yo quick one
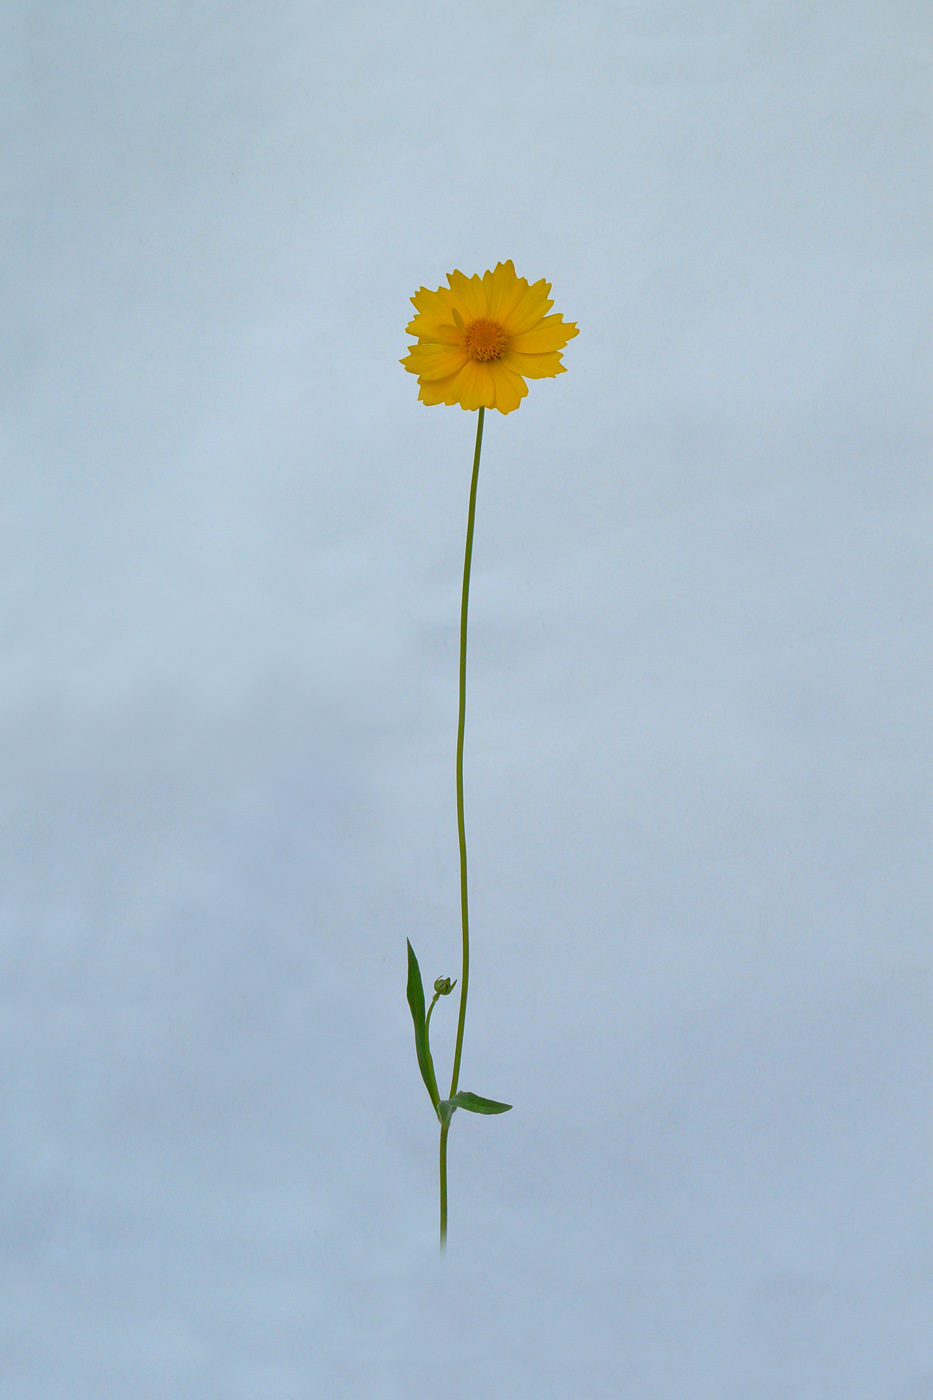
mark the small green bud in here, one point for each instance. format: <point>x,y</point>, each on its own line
<point>443,986</point>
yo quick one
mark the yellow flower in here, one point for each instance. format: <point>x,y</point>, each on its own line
<point>480,340</point>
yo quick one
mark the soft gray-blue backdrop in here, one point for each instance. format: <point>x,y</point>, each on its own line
<point>697,763</point>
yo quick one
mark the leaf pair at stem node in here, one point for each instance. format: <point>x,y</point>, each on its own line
<point>444,1108</point>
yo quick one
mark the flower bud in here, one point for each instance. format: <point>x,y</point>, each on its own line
<point>443,986</point>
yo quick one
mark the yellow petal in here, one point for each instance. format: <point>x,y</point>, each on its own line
<point>469,295</point>
<point>435,311</point>
<point>550,334</point>
<point>534,366</point>
<point>473,387</point>
<point>438,332</point>
<point>504,291</point>
<point>437,391</point>
<point>532,308</point>
<point>510,387</point>
<point>435,361</point>
<point>433,304</point>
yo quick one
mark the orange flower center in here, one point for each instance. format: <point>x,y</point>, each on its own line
<point>484,340</point>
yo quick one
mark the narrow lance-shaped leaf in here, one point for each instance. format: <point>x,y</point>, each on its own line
<point>475,1104</point>
<point>416,1003</point>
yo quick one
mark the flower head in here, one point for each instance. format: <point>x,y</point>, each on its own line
<point>481,338</point>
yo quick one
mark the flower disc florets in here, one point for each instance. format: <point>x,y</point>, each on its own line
<point>484,340</point>
<point>480,338</point>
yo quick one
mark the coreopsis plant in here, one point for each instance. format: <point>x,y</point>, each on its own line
<point>478,340</point>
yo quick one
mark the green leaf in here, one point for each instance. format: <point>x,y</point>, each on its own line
<point>475,1104</point>
<point>416,1003</point>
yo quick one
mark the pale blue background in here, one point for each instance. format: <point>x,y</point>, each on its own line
<point>697,749</point>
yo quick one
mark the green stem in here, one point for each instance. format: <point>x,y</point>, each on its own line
<point>461,726</point>
<point>445,1129</point>
<point>427,1019</point>
<point>461,823</point>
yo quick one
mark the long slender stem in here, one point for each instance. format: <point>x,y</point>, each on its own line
<point>461,726</point>
<point>445,1129</point>
<point>461,823</point>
